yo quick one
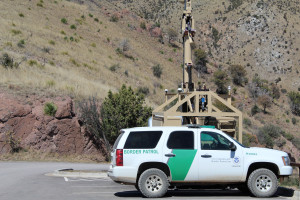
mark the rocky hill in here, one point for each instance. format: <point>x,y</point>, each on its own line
<point>85,48</point>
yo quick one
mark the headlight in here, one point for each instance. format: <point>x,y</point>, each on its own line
<point>286,160</point>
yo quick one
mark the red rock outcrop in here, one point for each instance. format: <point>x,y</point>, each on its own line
<point>24,118</point>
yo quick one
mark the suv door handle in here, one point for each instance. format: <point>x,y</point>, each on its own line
<point>206,156</point>
<point>170,155</point>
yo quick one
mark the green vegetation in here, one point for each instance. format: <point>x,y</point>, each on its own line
<point>7,62</point>
<point>32,62</point>
<point>51,42</point>
<point>124,109</point>
<point>216,36</point>
<point>114,67</point>
<point>16,32</point>
<point>238,73</point>
<point>21,14</point>
<point>249,139</point>
<point>221,79</point>
<point>200,57</point>
<point>143,25</point>
<point>73,26</point>
<point>14,144</point>
<point>294,120</point>
<point>50,109</point>
<point>234,4</point>
<point>157,70</point>
<point>294,102</point>
<point>64,21</point>
<point>114,18</point>
<point>268,133</point>
<point>247,122</point>
<point>21,43</point>
<point>143,90</point>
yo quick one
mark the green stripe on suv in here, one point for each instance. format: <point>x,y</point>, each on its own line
<point>181,163</point>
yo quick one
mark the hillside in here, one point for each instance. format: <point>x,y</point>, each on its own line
<point>71,48</point>
<point>86,48</point>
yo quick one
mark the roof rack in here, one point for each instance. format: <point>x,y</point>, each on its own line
<point>199,126</point>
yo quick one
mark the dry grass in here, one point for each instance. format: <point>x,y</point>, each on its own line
<point>32,155</point>
<point>75,67</point>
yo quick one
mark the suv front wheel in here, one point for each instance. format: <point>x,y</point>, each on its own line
<point>153,183</point>
<point>262,183</point>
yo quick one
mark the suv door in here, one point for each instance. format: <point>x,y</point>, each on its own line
<point>180,151</point>
<point>217,163</point>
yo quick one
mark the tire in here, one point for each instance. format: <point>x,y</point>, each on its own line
<point>262,183</point>
<point>137,187</point>
<point>153,183</point>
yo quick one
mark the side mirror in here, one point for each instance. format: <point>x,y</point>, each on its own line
<point>232,147</point>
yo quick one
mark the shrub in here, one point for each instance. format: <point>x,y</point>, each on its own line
<point>96,19</point>
<point>50,109</point>
<point>265,101</point>
<point>124,45</point>
<point>143,25</point>
<point>32,62</point>
<point>268,133</point>
<point>200,60</point>
<point>294,102</point>
<point>275,92</point>
<point>247,122</point>
<point>51,42</point>
<point>91,15</point>
<point>21,43</point>
<point>280,142</point>
<point>143,90</point>
<point>64,21</point>
<point>16,32</point>
<point>157,70</point>
<point>114,67</point>
<point>73,26</point>
<point>249,139</point>
<point>284,91</point>
<point>221,79</point>
<point>294,120</point>
<point>215,35</point>
<point>254,110</point>
<point>238,73</point>
<point>90,116</point>
<point>7,62</point>
<point>21,14</point>
<point>114,18</point>
<point>14,144</point>
<point>172,34</point>
<point>124,109</point>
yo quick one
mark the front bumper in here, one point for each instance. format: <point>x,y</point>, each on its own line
<point>286,171</point>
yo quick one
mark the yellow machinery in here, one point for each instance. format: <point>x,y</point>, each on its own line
<point>191,106</point>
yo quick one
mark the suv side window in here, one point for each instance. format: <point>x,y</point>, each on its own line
<point>214,141</point>
<point>142,140</point>
<point>181,140</point>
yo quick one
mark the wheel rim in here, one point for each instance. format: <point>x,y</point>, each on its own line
<point>153,183</point>
<point>263,183</point>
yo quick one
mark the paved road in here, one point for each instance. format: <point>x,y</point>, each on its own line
<point>27,181</point>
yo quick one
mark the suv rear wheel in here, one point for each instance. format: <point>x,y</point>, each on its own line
<point>262,183</point>
<point>153,183</point>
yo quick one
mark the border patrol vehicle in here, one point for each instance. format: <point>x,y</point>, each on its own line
<point>156,158</point>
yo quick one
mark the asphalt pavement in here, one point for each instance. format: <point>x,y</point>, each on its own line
<point>28,181</point>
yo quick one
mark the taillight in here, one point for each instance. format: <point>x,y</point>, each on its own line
<point>119,157</point>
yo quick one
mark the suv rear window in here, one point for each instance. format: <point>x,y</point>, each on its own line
<point>118,140</point>
<point>142,140</point>
<point>181,140</point>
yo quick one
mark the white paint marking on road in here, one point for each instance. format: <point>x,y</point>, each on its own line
<point>66,179</point>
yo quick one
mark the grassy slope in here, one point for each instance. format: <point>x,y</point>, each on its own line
<point>81,67</point>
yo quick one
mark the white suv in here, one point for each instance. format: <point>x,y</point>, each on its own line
<point>156,158</point>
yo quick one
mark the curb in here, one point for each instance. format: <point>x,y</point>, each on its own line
<point>78,174</point>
